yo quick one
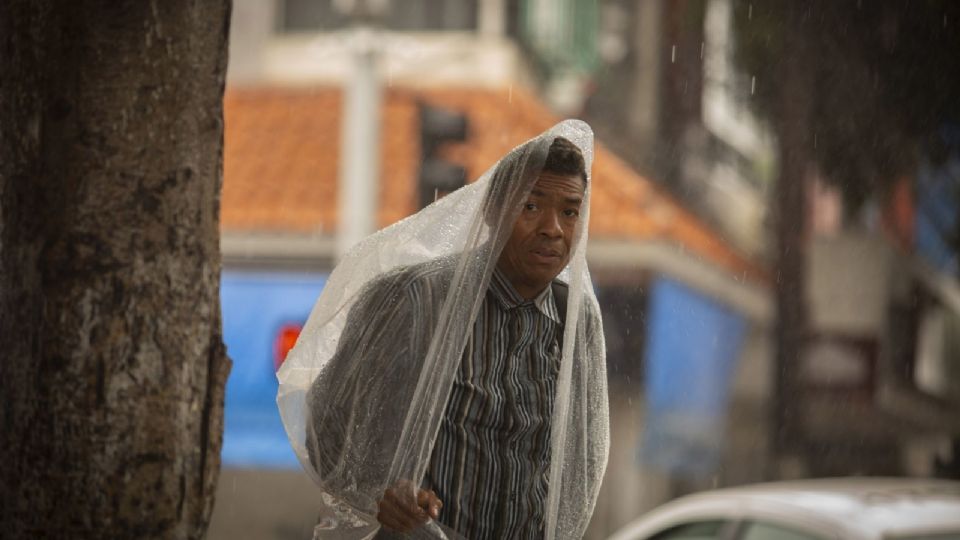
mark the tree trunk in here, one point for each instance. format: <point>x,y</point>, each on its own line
<point>795,109</point>
<point>681,115</point>
<point>111,381</point>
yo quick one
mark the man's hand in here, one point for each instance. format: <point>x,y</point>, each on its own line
<point>403,507</point>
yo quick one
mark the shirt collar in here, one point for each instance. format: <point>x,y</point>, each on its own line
<point>509,298</point>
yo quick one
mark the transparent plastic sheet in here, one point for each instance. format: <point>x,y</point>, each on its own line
<point>362,395</point>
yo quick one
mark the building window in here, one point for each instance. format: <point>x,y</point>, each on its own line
<point>309,16</point>
<point>408,15</point>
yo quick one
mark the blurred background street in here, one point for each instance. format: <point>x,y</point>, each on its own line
<point>774,230</point>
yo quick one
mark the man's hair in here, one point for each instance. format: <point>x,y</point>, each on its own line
<point>564,158</point>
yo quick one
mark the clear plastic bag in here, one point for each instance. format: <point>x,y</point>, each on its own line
<point>364,390</point>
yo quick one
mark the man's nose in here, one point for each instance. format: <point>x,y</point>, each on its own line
<point>550,225</point>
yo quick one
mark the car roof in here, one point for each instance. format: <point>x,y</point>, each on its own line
<point>867,508</point>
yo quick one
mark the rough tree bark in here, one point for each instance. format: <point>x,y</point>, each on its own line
<point>111,381</point>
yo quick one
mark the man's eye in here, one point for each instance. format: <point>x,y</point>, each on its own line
<point>530,206</point>
<point>571,213</point>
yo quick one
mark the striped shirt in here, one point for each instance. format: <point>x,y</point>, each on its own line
<point>491,457</point>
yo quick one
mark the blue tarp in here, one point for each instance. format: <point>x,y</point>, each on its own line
<point>256,306</point>
<point>693,346</point>
<point>938,195</point>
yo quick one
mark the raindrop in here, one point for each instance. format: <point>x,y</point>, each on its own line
<point>701,43</point>
<point>944,20</point>
<point>673,54</point>
<point>753,84</point>
<point>750,13</point>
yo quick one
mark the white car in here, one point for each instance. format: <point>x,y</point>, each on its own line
<point>830,509</point>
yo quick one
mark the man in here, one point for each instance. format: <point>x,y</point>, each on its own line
<point>475,455</point>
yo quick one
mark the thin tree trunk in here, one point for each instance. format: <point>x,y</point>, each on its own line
<point>795,106</point>
<point>680,110</point>
<point>111,381</point>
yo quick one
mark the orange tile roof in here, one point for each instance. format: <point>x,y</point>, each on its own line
<point>281,166</point>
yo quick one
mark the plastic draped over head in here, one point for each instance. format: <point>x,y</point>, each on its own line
<point>364,390</point>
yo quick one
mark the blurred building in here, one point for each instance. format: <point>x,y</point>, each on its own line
<point>678,235</point>
<point>878,375</point>
<point>667,96</point>
<point>686,309</point>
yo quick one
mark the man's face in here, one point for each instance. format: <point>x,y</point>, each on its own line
<point>539,244</point>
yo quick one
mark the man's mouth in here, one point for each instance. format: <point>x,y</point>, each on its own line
<point>546,255</point>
